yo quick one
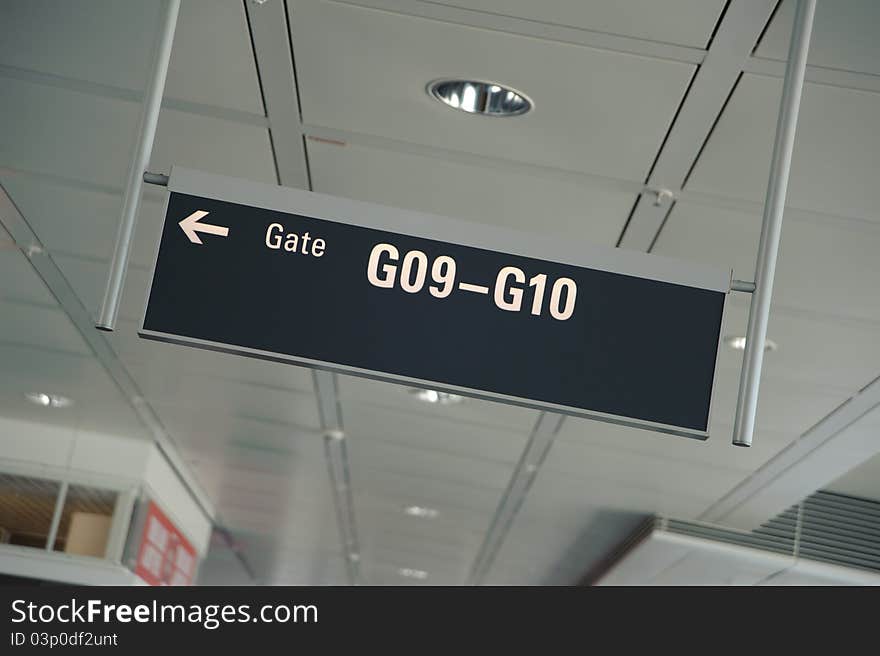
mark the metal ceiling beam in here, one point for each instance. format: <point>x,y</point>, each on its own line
<point>533,455</point>
<point>336,453</point>
<point>273,55</point>
<point>273,52</point>
<point>712,84</point>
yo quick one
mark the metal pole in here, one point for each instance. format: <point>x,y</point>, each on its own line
<point>140,161</point>
<point>56,516</point>
<point>771,229</point>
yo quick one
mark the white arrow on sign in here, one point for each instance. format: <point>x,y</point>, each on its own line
<point>191,227</point>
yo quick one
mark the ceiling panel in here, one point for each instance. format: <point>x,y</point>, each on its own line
<point>717,451</point>
<point>84,137</point>
<point>465,452</point>
<point>215,145</point>
<point>430,464</point>
<point>108,417</point>
<point>83,222</point>
<point>19,281</point>
<point>834,166</point>
<point>384,61</point>
<point>827,266</point>
<point>862,481</point>
<point>484,194</point>
<point>98,405</point>
<point>112,42</point>
<point>643,19</point>
<point>831,351</point>
<point>786,406</point>
<point>37,325</point>
<point>373,397</point>
<point>411,487</point>
<point>844,36</point>
<point>154,361</point>
<point>638,482</point>
<point>539,550</point>
<point>65,133</point>
<point>88,277</point>
<point>568,496</point>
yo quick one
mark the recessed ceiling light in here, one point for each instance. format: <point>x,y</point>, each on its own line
<point>476,97</point>
<point>738,343</point>
<point>48,400</point>
<point>433,396</point>
<point>410,573</point>
<point>421,511</point>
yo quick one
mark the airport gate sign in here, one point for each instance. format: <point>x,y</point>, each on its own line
<point>427,301</point>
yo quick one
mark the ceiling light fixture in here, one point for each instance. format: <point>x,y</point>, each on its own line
<point>410,573</point>
<point>477,97</point>
<point>48,400</point>
<point>433,396</point>
<point>738,343</point>
<point>421,511</point>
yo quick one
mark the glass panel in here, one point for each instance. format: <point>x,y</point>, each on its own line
<point>26,508</point>
<point>86,520</point>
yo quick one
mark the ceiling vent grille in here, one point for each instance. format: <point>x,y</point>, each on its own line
<point>826,527</point>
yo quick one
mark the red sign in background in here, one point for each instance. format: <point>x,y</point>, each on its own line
<point>165,557</point>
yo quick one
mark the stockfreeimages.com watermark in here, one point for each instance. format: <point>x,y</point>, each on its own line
<point>209,616</point>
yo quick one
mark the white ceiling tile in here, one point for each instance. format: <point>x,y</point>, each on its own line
<point>640,482</point>
<point>154,360</point>
<point>19,281</point>
<point>39,326</point>
<point>412,487</point>
<point>421,433</point>
<point>426,463</point>
<point>642,19</point>
<point>862,481</point>
<point>84,222</point>
<point>540,550</point>
<point>366,71</point>
<point>844,36</point>
<point>88,277</point>
<point>213,145</point>
<point>825,350</point>
<point>717,451</point>
<point>65,133</point>
<point>834,166</point>
<point>494,196</point>
<point>69,374</point>
<point>208,398</point>
<point>83,137</point>
<point>469,412</point>
<point>568,496</point>
<point>112,42</point>
<point>99,416</point>
<point>825,265</point>
<point>786,406</point>
<point>98,404</point>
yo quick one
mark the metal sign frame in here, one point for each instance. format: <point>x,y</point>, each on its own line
<point>428,226</point>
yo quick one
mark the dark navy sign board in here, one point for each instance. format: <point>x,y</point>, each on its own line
<point>631,349</point>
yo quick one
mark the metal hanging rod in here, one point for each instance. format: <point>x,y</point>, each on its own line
<point>771,228</point>
<point>139,163</point>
